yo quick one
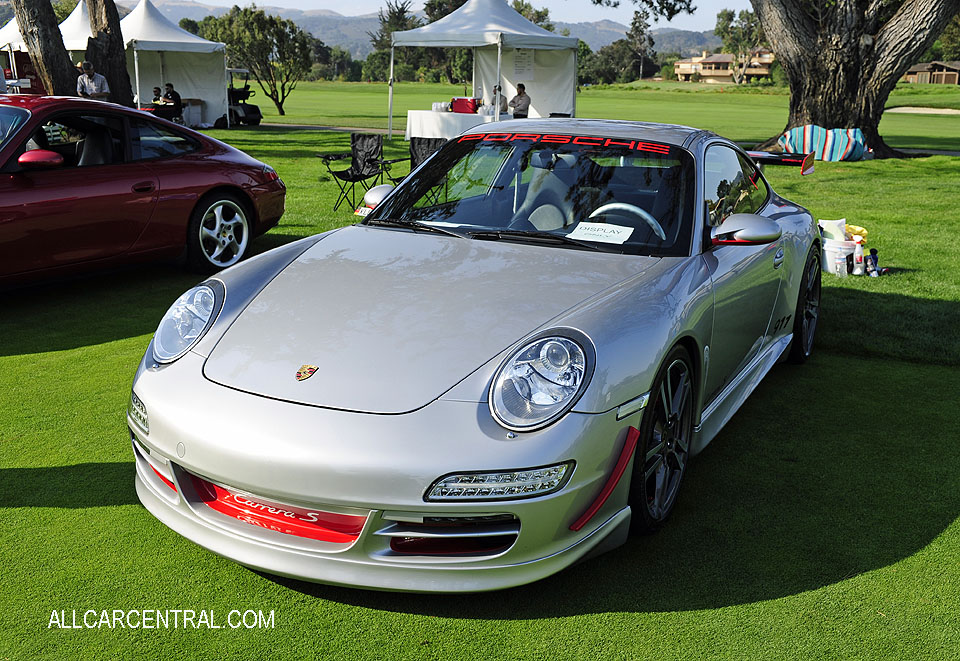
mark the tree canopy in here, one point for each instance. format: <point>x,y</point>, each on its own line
<point>841,58</point>
<point>276,51</point>
<point>740,34</point>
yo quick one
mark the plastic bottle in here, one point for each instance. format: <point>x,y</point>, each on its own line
<point>840,265</point>
<point>858,265</point>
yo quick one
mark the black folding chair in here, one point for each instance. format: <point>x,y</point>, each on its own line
<point>420,150</point>
<point>366,154</point>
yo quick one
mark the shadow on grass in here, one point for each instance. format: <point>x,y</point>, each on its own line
<point>100,307</point>
<point>76,486</point>
<point>832,469</point>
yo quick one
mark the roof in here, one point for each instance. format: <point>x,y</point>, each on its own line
<point>671,134</point>
<point>917,68</point>
<point>483,23</point>
<point>953,64</point>
<point>146,28</point>
<point>719,57</point>
<point>36,102</point>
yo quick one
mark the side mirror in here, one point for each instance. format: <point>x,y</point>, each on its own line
<point>372,198</point>
<point>745,229</point>
<point>36,159</point>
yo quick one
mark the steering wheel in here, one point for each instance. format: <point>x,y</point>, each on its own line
<point>635,210</point>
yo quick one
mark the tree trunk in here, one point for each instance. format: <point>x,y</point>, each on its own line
<point>44,42</point>
<point>106,49</point>
<point>843,63</point>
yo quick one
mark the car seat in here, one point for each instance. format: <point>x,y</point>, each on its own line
<point>97,149</point>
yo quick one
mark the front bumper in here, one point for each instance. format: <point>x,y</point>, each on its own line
<point>377,467</point>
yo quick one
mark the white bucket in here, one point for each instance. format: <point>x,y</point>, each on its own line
<point>833,251</point>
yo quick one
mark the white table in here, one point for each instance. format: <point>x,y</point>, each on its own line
<point>430,124</point>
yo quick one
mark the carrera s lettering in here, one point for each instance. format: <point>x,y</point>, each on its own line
<point>309,517</point>
<point>553,139</point>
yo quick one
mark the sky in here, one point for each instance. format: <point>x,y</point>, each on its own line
<point>566,11</point>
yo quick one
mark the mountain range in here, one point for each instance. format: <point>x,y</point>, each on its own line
<point>350,32</point>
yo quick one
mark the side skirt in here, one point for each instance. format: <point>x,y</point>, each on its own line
<point>720,410</point>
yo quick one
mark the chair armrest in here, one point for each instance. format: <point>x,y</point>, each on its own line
<point>327,158</point>
<point>393,160</point>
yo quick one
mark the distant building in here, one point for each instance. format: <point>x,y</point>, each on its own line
<point>943,73</point>
<point>718,67</point>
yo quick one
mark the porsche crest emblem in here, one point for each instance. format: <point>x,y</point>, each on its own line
<point>305,372</point>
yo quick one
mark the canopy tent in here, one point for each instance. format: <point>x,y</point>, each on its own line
<point>75,29</point>
<point>158,49</point>
<point>10,35</point>
<point>507,50</point>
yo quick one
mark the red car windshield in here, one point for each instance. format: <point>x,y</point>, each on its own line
<point>11,119</point>
<point>611,193</point>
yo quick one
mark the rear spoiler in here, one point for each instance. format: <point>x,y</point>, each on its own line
<point>805,161</point>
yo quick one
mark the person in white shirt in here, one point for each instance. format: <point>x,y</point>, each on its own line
<point>520,103</point>
<point>92,85</point>
<point>503,100</point>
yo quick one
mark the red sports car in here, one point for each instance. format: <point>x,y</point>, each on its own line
<point>86,184</point>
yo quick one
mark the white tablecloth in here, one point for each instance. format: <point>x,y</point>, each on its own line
<point>429,124</point>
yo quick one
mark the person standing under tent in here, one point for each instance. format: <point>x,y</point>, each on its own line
<point>520,103</point>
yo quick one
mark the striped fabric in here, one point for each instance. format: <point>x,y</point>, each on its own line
<point>827,144</point>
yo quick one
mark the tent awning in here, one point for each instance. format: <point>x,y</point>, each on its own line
<point>481,23</point>
<point>146,28</point>
<point>75,28</point>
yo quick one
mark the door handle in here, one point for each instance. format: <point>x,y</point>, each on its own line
<point>143,187</point>
<point>778,259</point>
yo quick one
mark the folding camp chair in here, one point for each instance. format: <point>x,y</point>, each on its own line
<point>420,150</point>
<point>366,154</point>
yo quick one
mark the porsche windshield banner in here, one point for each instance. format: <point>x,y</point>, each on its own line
<point>556,139</point>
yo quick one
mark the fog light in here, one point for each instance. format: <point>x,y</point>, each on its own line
<point>507,485</point>
<point>138,412</point>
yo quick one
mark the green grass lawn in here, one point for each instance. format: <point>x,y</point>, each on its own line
<point>822,523</point>
<point>748,115</point>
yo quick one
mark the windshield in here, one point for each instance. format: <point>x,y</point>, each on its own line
<point>609,193</point>
<point>11,119</point>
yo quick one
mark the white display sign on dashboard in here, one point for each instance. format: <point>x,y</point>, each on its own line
<point>602,232</point>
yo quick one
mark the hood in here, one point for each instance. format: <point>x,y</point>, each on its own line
<point>393,319</point>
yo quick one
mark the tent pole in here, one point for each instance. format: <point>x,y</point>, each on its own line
<point>576,82</point>
<point>390,102</point>
<point>13,61</point>
<point>226,85</point>
<point>496,110</point>
<point>136,73</point>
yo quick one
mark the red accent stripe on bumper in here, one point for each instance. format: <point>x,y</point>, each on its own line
<point>629,445</point>
<point>310,524</point>
<point>165,480</point>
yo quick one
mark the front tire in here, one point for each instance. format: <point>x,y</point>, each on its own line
<point>663,450</point>
<point>219,232</point>
<point>807,314</point>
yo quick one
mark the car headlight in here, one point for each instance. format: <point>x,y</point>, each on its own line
<point>186,321</point>
<point>540,382</point>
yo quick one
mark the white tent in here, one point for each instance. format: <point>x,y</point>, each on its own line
<point>10,35</point>
<point>75,29</point>
<point>507,48</point>
<point>160,52</point>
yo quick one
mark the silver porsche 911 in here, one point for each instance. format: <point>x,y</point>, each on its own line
<point>501,370</point>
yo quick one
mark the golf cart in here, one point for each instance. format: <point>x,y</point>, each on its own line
<point>242,112</point>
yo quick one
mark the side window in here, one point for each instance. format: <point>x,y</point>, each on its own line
<point>723,183</point>
<point>149,140</point>
<point>757,191</point>
<point>82,140</point>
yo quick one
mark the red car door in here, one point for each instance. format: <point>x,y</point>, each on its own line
<point>93,207</point>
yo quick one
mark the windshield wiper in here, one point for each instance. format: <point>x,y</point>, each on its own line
<point>415,225</point>
<point>537,237</point>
